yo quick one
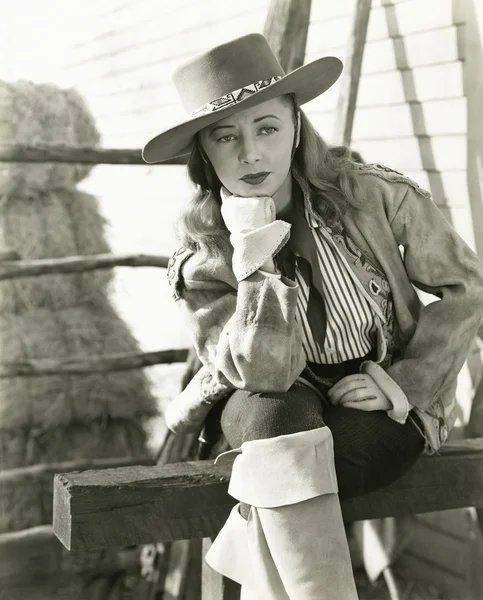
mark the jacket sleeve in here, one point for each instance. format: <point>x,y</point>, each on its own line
<point>438,262</point>
<point>247,337</point>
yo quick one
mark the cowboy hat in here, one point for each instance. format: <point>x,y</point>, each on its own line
<point>229,78</point>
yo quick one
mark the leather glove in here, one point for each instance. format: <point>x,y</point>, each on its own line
<point>255,233</point>
<point>188,411</point>
<point>371,389</point>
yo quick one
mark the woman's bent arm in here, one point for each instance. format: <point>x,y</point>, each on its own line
<point>439,262</point>
<point>247,337</point>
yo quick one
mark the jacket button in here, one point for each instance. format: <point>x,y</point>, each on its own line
<point>374,288</point>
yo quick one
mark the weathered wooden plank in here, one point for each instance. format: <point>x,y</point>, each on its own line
<point>175,501</point>
<point>193,575</point>
<point>11,268</point>
<point>286,29</point>
<point>136,505</point>
<point>475,427</point>
<point>90,364</point>
<point>349,85</point>
<point>470,37</point>
<point>60,153</point>
<point>178,564</point>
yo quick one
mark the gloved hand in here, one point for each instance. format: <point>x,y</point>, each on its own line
<point>256,234</point>
<point>371,389</point>
<point>188,411</point>
<point>359,391</point>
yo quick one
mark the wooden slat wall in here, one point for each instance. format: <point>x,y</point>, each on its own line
<point>444,549</point>
<point>422,65</point>
<point>124,59</point>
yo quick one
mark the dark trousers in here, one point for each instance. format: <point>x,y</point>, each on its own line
<point>371,450</point>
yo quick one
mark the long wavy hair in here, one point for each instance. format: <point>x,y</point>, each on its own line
<point>327,174</point>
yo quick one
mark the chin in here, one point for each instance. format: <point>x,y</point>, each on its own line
<point>265,189</point>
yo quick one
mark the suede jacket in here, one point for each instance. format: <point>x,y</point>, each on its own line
<point>246,334</point>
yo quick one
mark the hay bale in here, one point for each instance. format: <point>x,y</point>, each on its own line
<point>53,224</point>
<point>57,400</point>
<point>32,113</point>
<point>43,215</point>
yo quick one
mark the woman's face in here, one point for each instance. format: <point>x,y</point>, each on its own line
<point>253,141</point>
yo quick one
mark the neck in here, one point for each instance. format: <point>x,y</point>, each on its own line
<point>283,197</point>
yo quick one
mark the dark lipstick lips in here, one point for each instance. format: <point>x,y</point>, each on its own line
<point>256,178</point>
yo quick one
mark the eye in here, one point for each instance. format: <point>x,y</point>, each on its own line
<point>269,130</point>
<point>225,138</point>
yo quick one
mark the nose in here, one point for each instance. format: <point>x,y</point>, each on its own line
<point>249,151</point>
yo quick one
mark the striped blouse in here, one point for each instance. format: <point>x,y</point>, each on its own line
<point>350,321</point>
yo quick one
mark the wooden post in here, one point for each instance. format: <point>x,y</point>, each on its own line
<point>286,30</point>
<point>473,88</point>
<point>346,105</point>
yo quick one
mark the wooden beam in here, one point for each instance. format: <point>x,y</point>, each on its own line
<point>349,82</point>
<point>470,37</point>
<point>60,153</point>
<point>286,29</point>
<point>10,269</point>
<point>139,505</point>
<point>90,364</point>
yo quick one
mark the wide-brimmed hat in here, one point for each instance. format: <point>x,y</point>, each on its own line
<point>229,78</point>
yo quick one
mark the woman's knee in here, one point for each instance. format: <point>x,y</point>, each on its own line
<point>371,450</point>
<point>251,416</point>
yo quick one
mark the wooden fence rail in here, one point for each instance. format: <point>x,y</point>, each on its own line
<point>139,505</point>
<point>76,365</point>
<point>10,269</point>
<point>60,153</point>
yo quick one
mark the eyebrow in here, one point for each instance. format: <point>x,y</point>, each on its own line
<point>254,120</point>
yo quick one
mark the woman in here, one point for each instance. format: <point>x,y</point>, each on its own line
<point>329,376</point>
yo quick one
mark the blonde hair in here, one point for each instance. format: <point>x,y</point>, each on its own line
<point>329,176</point>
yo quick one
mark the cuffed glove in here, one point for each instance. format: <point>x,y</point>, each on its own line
<point>255,233</point>
<point>187,412</point>
<point>400,404</point>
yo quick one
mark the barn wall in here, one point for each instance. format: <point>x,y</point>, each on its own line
<point>444,549</point>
